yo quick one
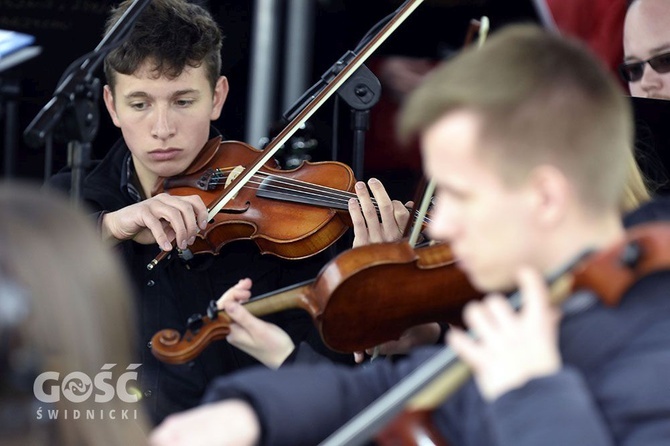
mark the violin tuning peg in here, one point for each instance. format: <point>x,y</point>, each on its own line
<point>212,310</point>
<point>194,323</point>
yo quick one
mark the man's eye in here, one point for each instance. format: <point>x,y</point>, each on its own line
<point>184,102</point>
<point>138,105</point>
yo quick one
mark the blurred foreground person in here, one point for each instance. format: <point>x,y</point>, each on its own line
<point>67,325</point>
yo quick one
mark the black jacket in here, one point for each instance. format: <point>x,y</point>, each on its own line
<point>175,290</point>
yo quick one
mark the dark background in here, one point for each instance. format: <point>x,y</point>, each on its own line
<point>68,29</point>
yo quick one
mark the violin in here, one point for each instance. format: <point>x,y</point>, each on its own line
<point>292,214</point>
<point>609,273</point>
<point>362,298</point>
<point>289,213</point>
<point>249,173</point>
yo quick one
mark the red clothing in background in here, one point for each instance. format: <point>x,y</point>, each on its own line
<point>597,22</point>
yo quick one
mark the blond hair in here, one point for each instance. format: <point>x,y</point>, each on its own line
<point>636,191</point>
<point>542,99</point>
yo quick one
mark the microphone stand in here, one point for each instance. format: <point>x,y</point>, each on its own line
<point>361,92</point>
<point>72,114</point>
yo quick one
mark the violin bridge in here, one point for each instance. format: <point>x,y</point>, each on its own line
<point>234,174</point>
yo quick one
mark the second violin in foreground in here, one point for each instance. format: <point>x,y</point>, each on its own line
<point>403,414</point>
<point>362,298</point>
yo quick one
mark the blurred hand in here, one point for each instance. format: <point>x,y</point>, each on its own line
<point>511,347</point>
<point>425,334</point>
<point>228,423</point>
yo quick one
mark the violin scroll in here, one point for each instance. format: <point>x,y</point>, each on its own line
<point>171,347</point>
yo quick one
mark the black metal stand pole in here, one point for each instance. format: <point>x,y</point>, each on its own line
<point>361,92</point>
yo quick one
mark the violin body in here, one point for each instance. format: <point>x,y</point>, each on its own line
<point>362,298</point>
<point>285,212</point>
<point>372,294</point>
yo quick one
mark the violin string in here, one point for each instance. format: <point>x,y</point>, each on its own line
<point>310,197</point>
<point>338,198</point>
<point>307,187</point>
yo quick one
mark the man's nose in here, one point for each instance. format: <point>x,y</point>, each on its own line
<point>163,127</point>
<point>443,223</point>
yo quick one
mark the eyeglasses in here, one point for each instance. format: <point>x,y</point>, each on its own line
<point>632,72</point>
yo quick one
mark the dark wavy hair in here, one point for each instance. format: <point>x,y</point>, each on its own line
<point>172,34</point>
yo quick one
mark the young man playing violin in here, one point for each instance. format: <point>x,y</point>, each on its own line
<point>528,139</point>
<point>164,89</point>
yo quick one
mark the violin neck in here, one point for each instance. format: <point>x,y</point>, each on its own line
<point>289,298</point>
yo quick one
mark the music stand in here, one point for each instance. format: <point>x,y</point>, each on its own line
<point>14,50</point>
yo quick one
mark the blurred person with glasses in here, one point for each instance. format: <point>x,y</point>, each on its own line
<point>646,42</point>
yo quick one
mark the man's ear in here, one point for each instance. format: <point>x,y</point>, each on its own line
<point>551,192</point>
<point>109,103</point>
<point>220,95</point>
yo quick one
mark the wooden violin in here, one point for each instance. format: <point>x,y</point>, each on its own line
<point>289,213</point>
<point>362,298</point>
